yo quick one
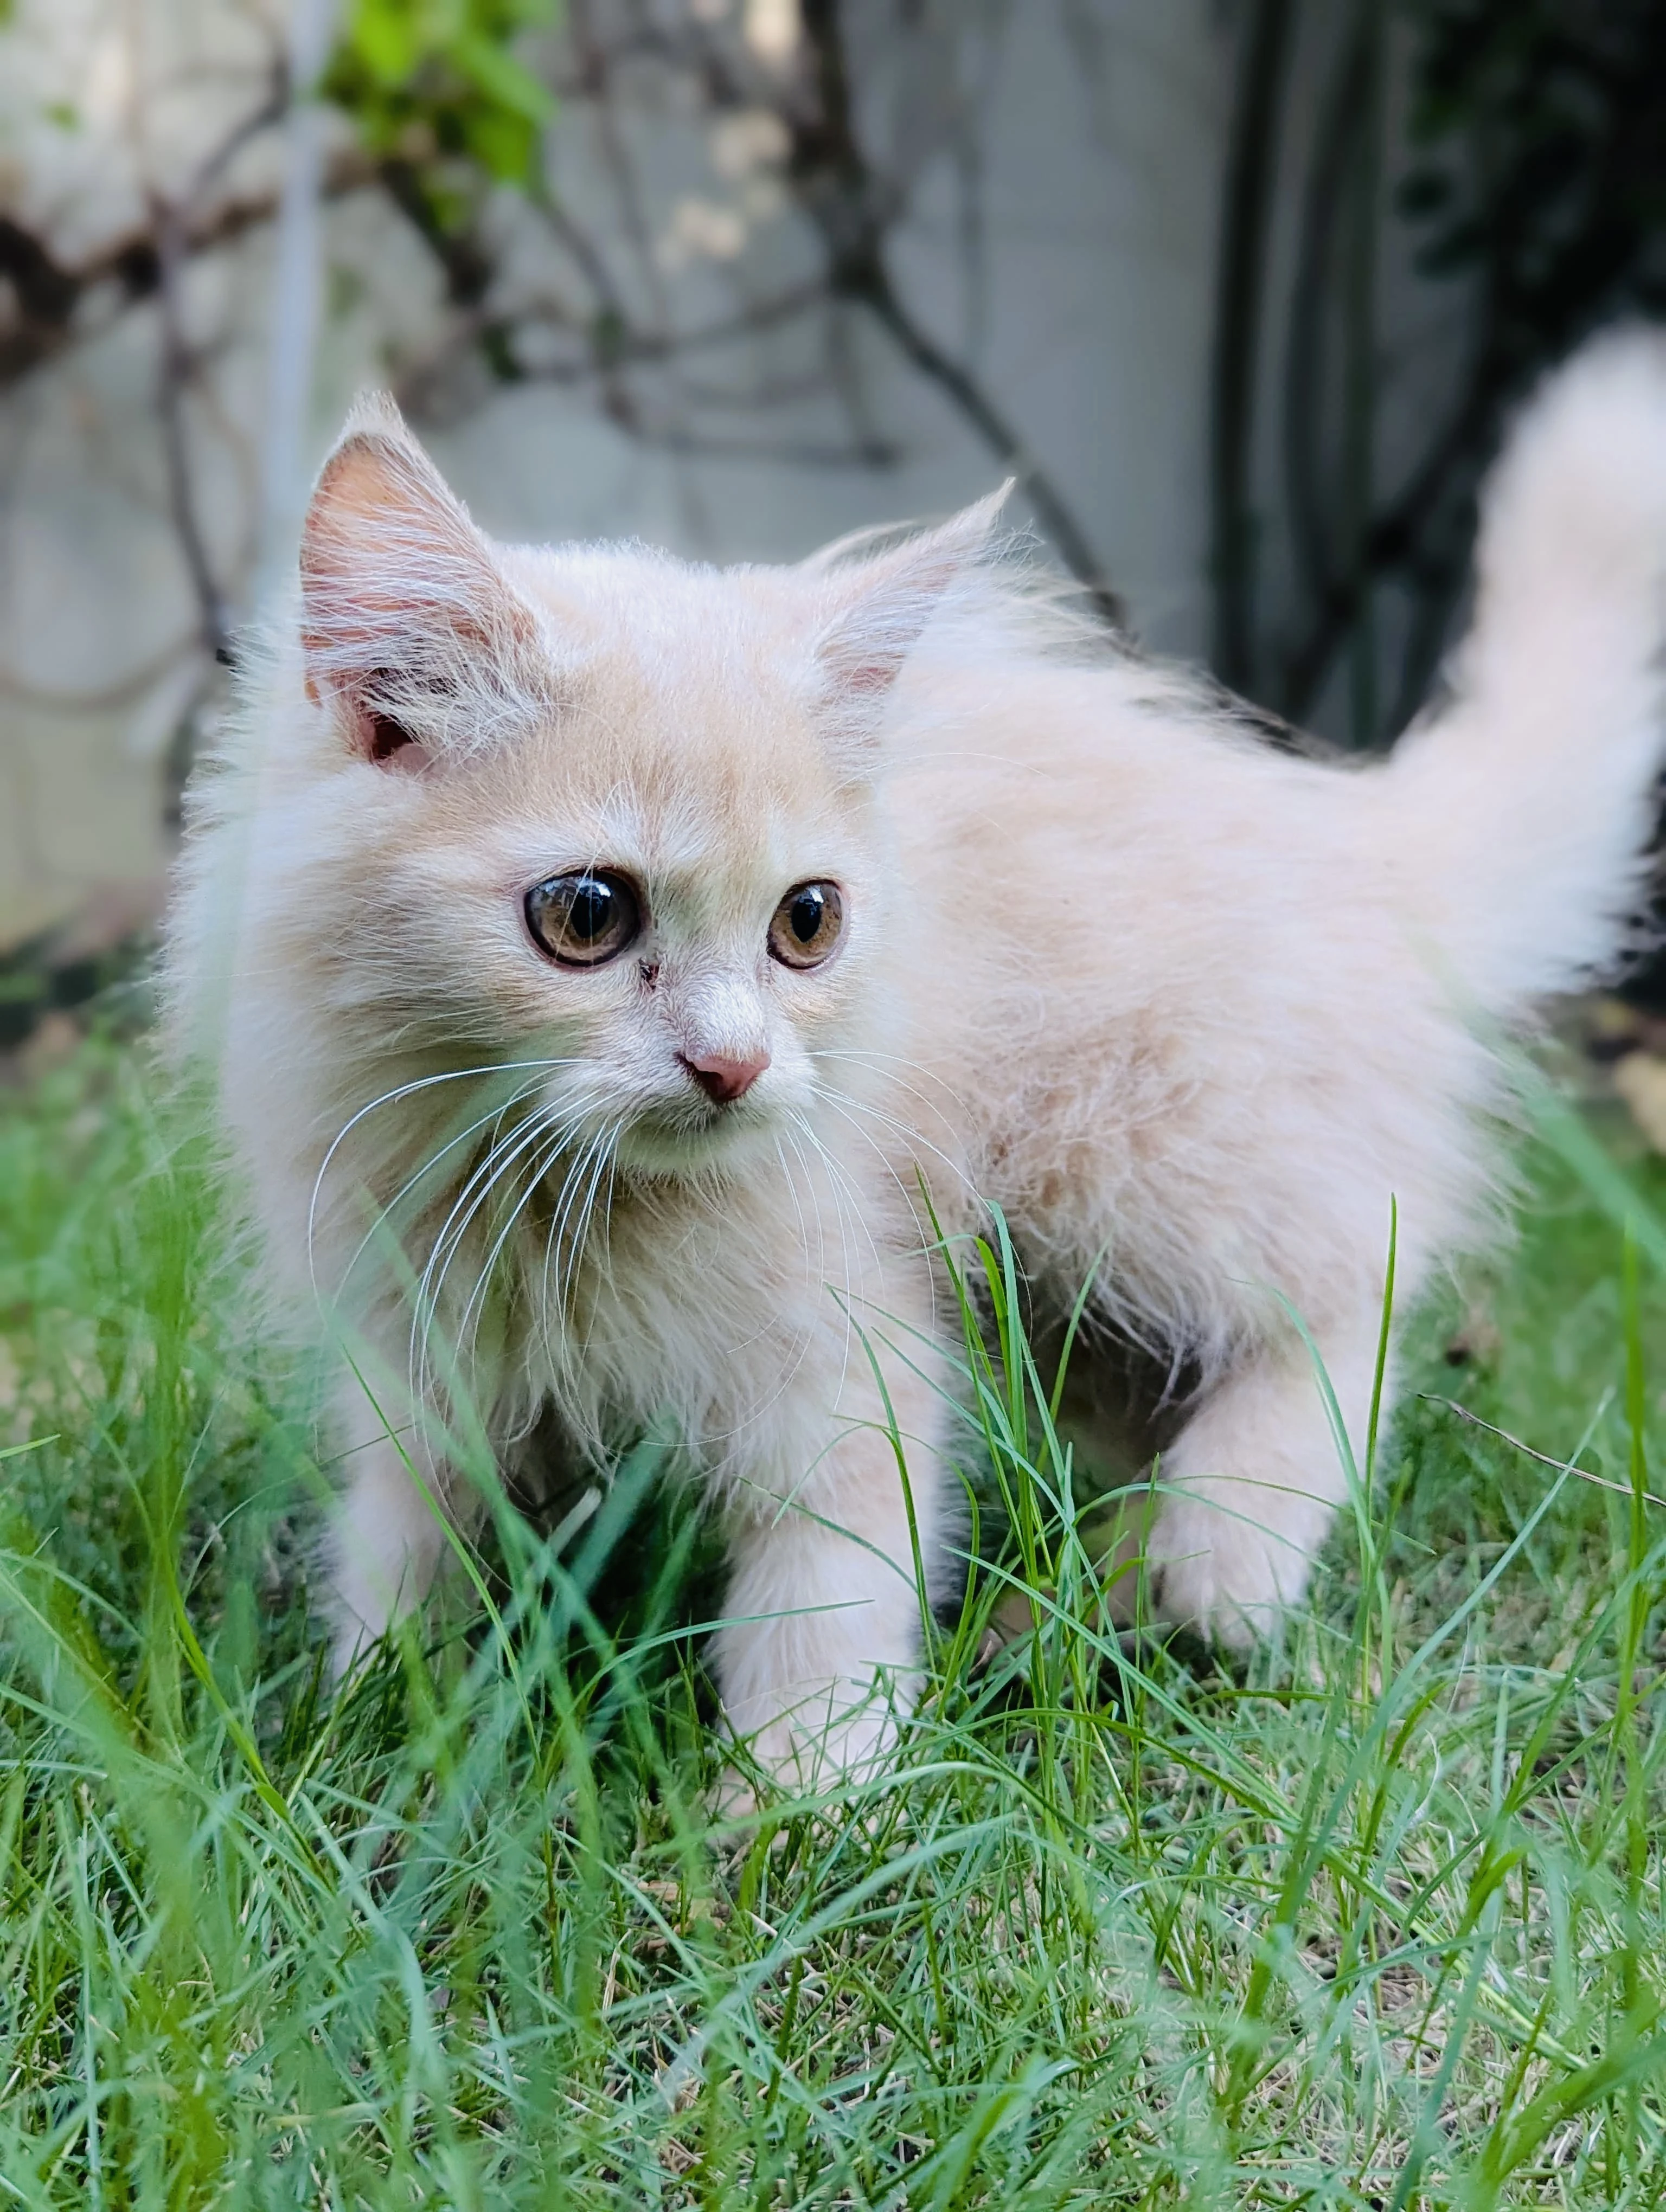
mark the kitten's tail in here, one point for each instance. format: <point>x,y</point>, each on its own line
<point>1523,809</point>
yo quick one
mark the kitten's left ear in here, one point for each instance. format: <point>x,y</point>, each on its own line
<point>879,606</point>
<point>412,634</point>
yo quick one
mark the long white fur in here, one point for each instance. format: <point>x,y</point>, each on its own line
<point>1193,1012</point>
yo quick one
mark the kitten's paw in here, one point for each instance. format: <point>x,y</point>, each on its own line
<point>802,1760</point>
<point>1217,1569</point>
<point>735,1797</point>
<point>351,1645</point>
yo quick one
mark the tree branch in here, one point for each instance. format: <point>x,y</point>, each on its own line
<point>837,187</point>
<point>48,292</point>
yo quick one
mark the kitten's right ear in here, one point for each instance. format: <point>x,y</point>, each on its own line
<point>410,632</point>
<point>875,610</point>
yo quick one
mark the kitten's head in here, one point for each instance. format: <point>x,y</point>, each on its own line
<point>602,809</point>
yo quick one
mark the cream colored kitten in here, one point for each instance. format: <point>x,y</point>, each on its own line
<point>597,952</point>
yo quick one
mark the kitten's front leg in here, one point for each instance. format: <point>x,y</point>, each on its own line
<point>1251,1485</point>
<point>388,1530</point>
<point>822,1646</point>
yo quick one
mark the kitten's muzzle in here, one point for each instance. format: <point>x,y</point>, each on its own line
<point>724,1077</point>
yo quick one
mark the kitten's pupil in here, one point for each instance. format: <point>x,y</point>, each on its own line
<point>806,916</point>
<point>592,910</point>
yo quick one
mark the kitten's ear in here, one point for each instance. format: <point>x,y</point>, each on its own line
<point>410,632</point>
<point>881,605</point>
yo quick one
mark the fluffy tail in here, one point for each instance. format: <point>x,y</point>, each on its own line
<point>1525,805</point>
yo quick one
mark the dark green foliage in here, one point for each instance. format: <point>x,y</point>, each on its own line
<point>427,80</point>
<point>1517,148</point>
<point>437,93</point>
<point>1541,130</point>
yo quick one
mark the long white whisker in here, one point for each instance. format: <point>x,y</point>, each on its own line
<point>907,1196</point>
<point>589,1161</point>
<point>542,1161</point>
<point>386,1214</point>
<point>607,1206</point>
<point>558,1215</point>
<point>463,1207</point>
<point>604,1163</point>
<point>910,1135</point>
<point>845,1182</point>
<point>496,1164</point>
<point>894,1059</point>
<point>391,1098</point>
<point>847,1301</point>
<point>835,1100</point>
<point>793,1193</point>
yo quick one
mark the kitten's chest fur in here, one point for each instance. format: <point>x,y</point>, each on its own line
<point>730,1312</point>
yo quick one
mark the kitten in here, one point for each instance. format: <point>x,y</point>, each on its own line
<point>600,954</point>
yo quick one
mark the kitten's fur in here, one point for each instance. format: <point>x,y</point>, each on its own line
<point>1190,1011</point>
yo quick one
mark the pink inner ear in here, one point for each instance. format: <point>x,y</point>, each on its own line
<point>890,603</point>
<point>378,737</point>
<point>863,655</point>
<point>867,678</point>
<point>388,739</point>
<point>375,736</point>
<point>397,587</point>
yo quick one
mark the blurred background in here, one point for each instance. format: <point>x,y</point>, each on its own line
<point>1241,291</point>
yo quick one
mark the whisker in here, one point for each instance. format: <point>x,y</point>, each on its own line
<point>927,1240</point>
<point>836,1101</point>
<point>606,1161</point>
<point>468,1198</point>
<point>392,1098</point>
<point>558,1215</point>
<point>793,1193</point>
<point>542,1161</point>
<point>566,1254</point>
<point>385,1214</point>
<point>892,1060</point>
<point>845,1303</point>
<point>910,1135</point>
<point>496,1164</point>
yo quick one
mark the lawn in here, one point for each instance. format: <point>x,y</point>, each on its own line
<point>1374,1921</point>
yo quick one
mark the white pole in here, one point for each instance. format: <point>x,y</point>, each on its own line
<point>293,340</point>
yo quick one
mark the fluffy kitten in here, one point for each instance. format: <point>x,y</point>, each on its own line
<point>597,952</point>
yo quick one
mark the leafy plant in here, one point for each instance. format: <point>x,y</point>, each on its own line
<point>438,94</point>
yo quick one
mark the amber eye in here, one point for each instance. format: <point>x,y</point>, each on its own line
<point>806,924</point>
<point>582,920</point>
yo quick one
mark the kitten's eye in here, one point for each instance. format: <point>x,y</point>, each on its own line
<point>806,924</point>
<point>582,920</point>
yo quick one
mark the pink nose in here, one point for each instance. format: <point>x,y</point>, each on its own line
<point>723,1078</point>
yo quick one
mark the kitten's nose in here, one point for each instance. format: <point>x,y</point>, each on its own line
<point>723,1077</point>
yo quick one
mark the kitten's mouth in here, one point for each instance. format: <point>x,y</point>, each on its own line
<point>692,1136</point>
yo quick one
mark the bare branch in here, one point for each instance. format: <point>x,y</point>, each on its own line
<point>47,293</point>
<point>853,208</point>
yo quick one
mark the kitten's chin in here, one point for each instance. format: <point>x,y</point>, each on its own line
<point>728,1142</point>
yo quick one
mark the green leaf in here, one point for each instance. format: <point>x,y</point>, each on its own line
<point>387,38</point>
<point>501,77</point>
<point>504,145</point>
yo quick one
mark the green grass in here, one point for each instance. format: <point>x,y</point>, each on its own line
<point>1377,1922</point>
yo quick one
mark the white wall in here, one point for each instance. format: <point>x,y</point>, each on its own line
<point>1105,121</point>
